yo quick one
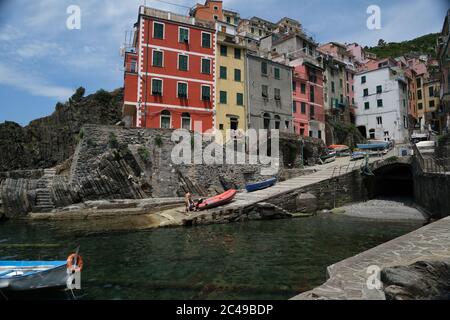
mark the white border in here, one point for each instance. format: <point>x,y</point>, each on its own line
<point>201,65</point>
<point>151,86</point>
<point>158,50</point>
<point>189,34</point>
<point>164,30</point>
<point>178,61</point>
<point>160,118</point>
<point>210,40</point>
<point>187,89</point>
<point>201,92</point>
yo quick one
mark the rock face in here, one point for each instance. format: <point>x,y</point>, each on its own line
<point>306,203</point>
<point>423,280</point>
<point>48,141</point>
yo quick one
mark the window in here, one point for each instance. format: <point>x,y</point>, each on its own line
<point>223,50</point>
<point>206,66</point>
<point>353,88</point>
<point>265,91</point>
<point>363,79</point>
<point>431,92</point>
<point>216,8</point>
<point>158,58</point>
<point>405,122</point>
<point>366,92</point>
<point>182,90</point>
<point>157,87</point>
<point>252,30</point>
<point>340,83</point>
<point>379,103</point>
<point>266,118</point>
<point>206,40</point>
<point>419,94</point>
<point>311,94</point>
<point>277,122</point>
<point>294,86</point>
<point>223,29</point>
<point>310,133</point>
<point>286,123</point>
<point>303,88</point>
<point>223,97</point>
<point>206,93</point>
<point>237,75</point>
<point>260,32</point>
<point>419,82</point>
<point>294,107</point>
<point>379,89</point>
<point>239,99</point>
<point>228,19</point>
<point>276,73</point>
<point>165,119</point>
<point>237,53</point>
<point>302,131</point>
<point>234,123</point>
<point>277,94</point>
<point>303,108</point>
<point>264,68</point>
<point>380,120</point>
<point>158,30</point>
<point>223,72</point>
<point>183,62</point>
<point>221,126</point>
<point>431,103</point>
<point>348,87</point>
<point>319,134</point>
<point>366,105</point>
<point>133,66</point>
<point>186,121</point>
<point>183,35</point>
<point>420,106</point>
<point>311,110</point>
<point>332,87</point>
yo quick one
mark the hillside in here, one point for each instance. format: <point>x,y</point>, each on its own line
<point>422,45</point>
<point>48,141</point>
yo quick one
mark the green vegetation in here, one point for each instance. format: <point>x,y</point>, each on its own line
<point>103,96</point>
<point>77,96</point>
<point>158,141</point>
<point>392,159</point>
<point>346,134</point>
<point>144,154</point>
<point>113,143</point>
<point>422,45</point>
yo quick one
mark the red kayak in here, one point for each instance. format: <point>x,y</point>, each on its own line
<point>218,200</point>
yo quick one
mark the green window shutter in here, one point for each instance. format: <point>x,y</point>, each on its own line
<point>223,72</point>
<point>264,68</point>
<point>206,93</point>
<point>206,40</point>
<point>237,53</point>
<point>239,99</point>
<point>380,102</point>
<point>237,75</point>
<point>366,105</point>
<point>184,35</point>
<point>157,58</point>
<point>182,90</point>
<point>206,66</point>
<point>277,73</point>
<point>183,62</point>
<point>156,87</point>
<point>223,50</point>
<point>223,97</point>
<point>158,32</point>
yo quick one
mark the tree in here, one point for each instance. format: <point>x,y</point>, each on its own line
<point>381,43</point>
<point>77,96</point>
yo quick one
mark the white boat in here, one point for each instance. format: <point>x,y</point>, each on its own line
<point>426,147</point>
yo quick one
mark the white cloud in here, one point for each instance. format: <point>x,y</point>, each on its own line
<point>32,84</point>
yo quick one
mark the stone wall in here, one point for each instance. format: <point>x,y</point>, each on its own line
<point>432,192</point>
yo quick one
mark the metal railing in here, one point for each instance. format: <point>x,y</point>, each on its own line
<point>431,164</point>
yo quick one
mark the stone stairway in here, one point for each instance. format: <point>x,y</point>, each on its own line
<point>44,202</point>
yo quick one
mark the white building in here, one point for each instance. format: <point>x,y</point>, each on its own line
<point>382,99</point>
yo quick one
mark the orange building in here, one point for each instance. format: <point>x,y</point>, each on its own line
<point>210,11</point>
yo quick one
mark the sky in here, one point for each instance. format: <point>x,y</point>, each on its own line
<point>43,62</point>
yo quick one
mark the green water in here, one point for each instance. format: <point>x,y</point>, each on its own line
<point>253,260</point>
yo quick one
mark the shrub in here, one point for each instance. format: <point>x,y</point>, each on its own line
<point>113,143</point>
<point>158,140</point>
<point>144,154</point>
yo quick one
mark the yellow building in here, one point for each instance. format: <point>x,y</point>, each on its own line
<point>231,113</point>
<point>431,89</point>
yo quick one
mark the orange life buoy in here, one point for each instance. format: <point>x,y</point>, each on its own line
<point>78,266</point>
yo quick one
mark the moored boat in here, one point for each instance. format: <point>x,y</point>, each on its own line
<point>260,185</point>
<point>33,275</point>
<point>218,200</point>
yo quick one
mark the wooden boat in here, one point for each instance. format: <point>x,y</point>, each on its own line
<point>357,155</point>
<point>31,275</point>
<point>328,158</point>
<point>340,150</point>
<point>260,185</point>
<point>218,200</point>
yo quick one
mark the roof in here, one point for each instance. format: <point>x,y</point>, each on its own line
<point>268,60</point>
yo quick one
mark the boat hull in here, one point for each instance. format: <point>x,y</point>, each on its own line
<point>218,200</point>
<point>260,185</point>
<point>53,277</point>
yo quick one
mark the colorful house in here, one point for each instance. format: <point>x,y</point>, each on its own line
<point>169,72</point>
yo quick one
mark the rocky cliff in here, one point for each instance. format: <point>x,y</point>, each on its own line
<point>51,140</point>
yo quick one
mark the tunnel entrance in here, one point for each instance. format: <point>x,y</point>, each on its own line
<point>392,181</point>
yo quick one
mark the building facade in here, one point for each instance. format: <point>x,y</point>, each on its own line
<point>381,95</point>
<point>269,86</point>
<point>170,82</point>
<point>443,54</point>
<point>231,104</point>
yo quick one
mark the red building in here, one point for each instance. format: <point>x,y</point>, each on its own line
<point>308,113</point>
<point>169,72</point>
